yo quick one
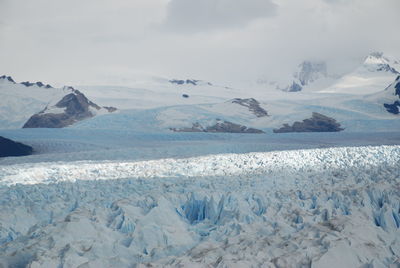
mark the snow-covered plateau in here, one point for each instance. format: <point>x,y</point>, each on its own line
<point>329,207</point>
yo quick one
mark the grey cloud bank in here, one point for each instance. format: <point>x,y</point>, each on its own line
<point>72,42</point>
<point>191,16</point>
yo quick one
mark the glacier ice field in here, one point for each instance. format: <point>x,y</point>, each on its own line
<point>195,200</point>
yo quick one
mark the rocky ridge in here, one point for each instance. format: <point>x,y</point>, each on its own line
<point>317,123</point>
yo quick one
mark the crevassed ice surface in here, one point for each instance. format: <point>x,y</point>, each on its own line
<point>332,207</point>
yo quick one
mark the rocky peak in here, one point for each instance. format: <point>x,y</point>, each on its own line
<point>77,104</point>
<point>7,78</point>
<point>39,84</point>
<point>295,87</point>
<point>310,71</point>
<point>377,62</point>
<point>75,107</point>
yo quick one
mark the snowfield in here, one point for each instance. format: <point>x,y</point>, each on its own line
<point>331,207</point>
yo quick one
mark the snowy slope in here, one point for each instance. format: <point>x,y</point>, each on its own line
<point>354,100</point>
<point>376,70</point>
<point>318,208</point>
<point>19,102</point>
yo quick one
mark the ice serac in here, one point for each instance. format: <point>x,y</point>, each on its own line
<point>296,208</point>
<point>72,108</point>
<point>220,126</point>
<point>317,123</point>
<point>11,148</point>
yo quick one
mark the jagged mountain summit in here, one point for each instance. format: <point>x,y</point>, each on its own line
<point>72,108</point>
<point>7,78</point>
<point>373,71</point>
<point>378,62</point>
<point>310,71</point>
<point>39,105</point>
<point>307,73</point>
<point>376,71</point>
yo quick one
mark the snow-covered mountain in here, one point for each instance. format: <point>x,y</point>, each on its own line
<point>371,76</point>
<point>308,72</point>
<point>38,105</point>
<point>355,100</point>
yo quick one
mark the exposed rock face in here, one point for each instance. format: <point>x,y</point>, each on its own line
<point>182,82</point>
<point>193,82</point>
<point>110,109</point>
<point>317,123</point>
<point>12,148</point>
<point>39,84</point>
<point>221,127</point>
<point>310,71</point>
<point>394,108</point>
<point>253,106</point>
<point>8,78</point>
<point>76,107</point>
<point>295,87</point>
<point>376,61</point>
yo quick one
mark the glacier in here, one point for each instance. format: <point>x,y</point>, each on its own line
<point>320,207</point>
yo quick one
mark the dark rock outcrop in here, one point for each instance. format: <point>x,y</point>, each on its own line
<point>110,109</point>
<point>384,66</point>
<point>27,84</point>
<point>182,82</point>
<point>12,148</point>
<point>185,96</point>
<point>317,123</point>
<point>39,84</point>
<point>219,127</point>
<point>253,106</point>
<point>8,78</point>
<point>310,71</point>
<point>387,68</point>
<point>187,82</point>
<point>295,87</point>
<point>394,107</point>
<point>76,107</point>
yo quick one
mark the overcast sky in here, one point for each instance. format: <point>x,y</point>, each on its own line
<point>93,41</point>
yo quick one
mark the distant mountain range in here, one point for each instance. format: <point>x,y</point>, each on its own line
<point>365,99</point>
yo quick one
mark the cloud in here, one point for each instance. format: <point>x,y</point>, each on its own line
<point>66,42</point>
<point>198,16</point>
